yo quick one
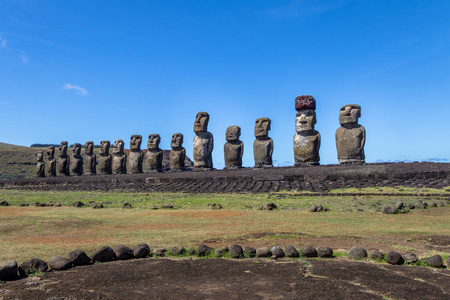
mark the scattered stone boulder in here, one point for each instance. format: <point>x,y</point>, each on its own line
<point>440,203</point>
<point>399,205</point>
<point>177,250</point>
<point>411,206</point>
<point>432,204</point>
<point>357,253</point>
<point>75,204</point>
<point>236,251</point>
<point>271,206</point>
<point>126,205</point>
<point>161,252</point>
<point>221,251</point>
<point>261,207</point>
<point>410,258</point>
<point>325,252</point>
<point>376,255</point>
<point>277,251</point>
<point>215,206</point>
<point>203,250</point>
<point>251,252</point>
<point>313,208</point>
<point>422,204</point>
<point>390,210</point>
<point>167,206</point>
<point>96,206</point>
<point>394,258</point>
<point>9,270</point>
<point>33,265</point>
<point>263,252</point>
<point>141,250</point>
<point>308,251</point>
<point>4,203</point>
<point>79,258</point>
<point>191,251</point>
<point>291,251</point>
<point>59,263</point>
<point>434,261</point>
<point>103,254</point>
<point>123,252</point>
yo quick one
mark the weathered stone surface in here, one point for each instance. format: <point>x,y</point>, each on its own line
<point>123,252</point>
<point>203,142</point>
<point>305,102</point>
<point>76,165</point>
<point>277,251</point>
<point>291,251</point>
<point>236,251</point>
<point>89,159</point>
<point>313,208</point>
<point>105,159</point>
<point>399,205</point>
<point>178,153</point>
<point>126,205</point>
<point>63,161</point>
<point>79,258</point>
<point>154,155</point>
<point>40,165</point>
<point>51,163</point>
<point>103,254</point>
<point>251,252</point>
<point>325,252</point>
<point>394,258</point>
<point>307,139</point>
<point>141,250</point>
<point>411,206</point>
<point>263,144</point>
<point>233,148</point>
<point>159,252</point>
<point>9,270</point>
<point>410,258</point>
<point>440,204</point>
<point>308,251</point>
<point>136,156</point>
<point>59,263</point>
<point>119,160</point>
<point>221,251</point>
<point>376,255</point>
<point>97,206</point>
<point>434,261</point>
<point>422,204</point>
<point>350,137</point>
<point>263,252</point>
<point>271,206</point>
<point>203,250</point>
<point>357,253</point>
<point>177,250</point>
<point>33,265</point>
<point>77,204</point>
<point>191,251</point>
<point>388,209</point>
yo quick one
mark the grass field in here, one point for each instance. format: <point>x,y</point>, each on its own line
<point>47,231</point>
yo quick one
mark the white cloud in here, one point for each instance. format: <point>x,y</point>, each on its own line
<point>23,57</point>
<point>80,91</point>
<point>3,41</point>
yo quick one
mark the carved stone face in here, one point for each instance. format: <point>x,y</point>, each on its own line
<point>63,149</point>
<point>262,127</point>
<point>349,114</point>
<point>233,133</point>
<point>305,120</point>
<point>177,140</point>
<point>135,143</point>
<point>76,149</point>
<point>118,147</point>
<point>153,141</point>
<point>104,147</point>
<point>50,151</point>
<point>201,122</point>
<point>89,148</point>
<point>40,156</point>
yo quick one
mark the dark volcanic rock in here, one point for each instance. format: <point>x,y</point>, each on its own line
<point>177,250</point>
<point>103,254</point>
<point>291,251</point>
<point>376,255</point>
<point>126,205</point>
<point>4,203</point>
<point>59,263</point>
<point>77,204</point>
<point>33,265</point>
<point>394,258</point>
<point>399,205</point>
<point>434,261</point>
<point>325,252</point>
<point>313,208</point>
<point>388,209</point>
<point>160,252</point>
<point>308,251</point>
<point>79,258</point>
<point>203,250</point>
<point>236,251</point>
<point>410,258</point>
<point>357,253</point>
<point>277,251</point>
<point>8,270</point>
<point>141,250</point>
<point>123,252</point>
<point>263,252</point>
<point>251,252</point>
<point>221,251</point>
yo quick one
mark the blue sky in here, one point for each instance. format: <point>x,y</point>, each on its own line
<point>94,70</point>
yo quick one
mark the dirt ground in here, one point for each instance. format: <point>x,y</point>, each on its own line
<point>165,278</point>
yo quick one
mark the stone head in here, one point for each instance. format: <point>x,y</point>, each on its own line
<point>305,120</point>
<point>305,102</point>
<point>89,148</point>
<point>153,141</point>
<point>135,142</point>
<point>349,114</point>
<point>233,133</point>
<point>104,147</point>
<point>50,151</point>
<point>118,146</point>
<point>201,122</point>
<point>40,156</point>
<point>63,149</point>
<point>262,127</point>
<point>177,141</point>
<point>76,149</point>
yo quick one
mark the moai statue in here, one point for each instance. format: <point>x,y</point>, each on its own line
<point>136,156</point>
<point>63,161</point>
<point>40,166</point>
<point>51,164</point>
<point>203,143</point>
<point>154,155</point>
<point>119,161</point>
<point>306,140</point>
<point>105,159</point>
<point>77,160</point>
<point>177,154</point>
<point>233,148</point>
<point>263,145</point>
<point>350,137</point>
<point>90,159</point>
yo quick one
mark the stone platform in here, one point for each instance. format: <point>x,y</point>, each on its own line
<point>317,179</point>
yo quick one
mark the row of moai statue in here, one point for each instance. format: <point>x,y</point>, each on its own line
<point>350,140</point>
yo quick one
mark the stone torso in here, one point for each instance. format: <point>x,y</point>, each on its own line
<point>119,164</point>
<point>203,147</point>
<point>89,163</point>
<point>135,160</point>
<point>350,144</point>
<point>77,165</point>
<point>306,148</point>
<point>104,164</point>
<point>153,161</point>
<point>177,158</point>
<point>40,169</point>
<point>51,167</point>
<point>262,152</point>
<point>62,165</point>
<point>233,154</point>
